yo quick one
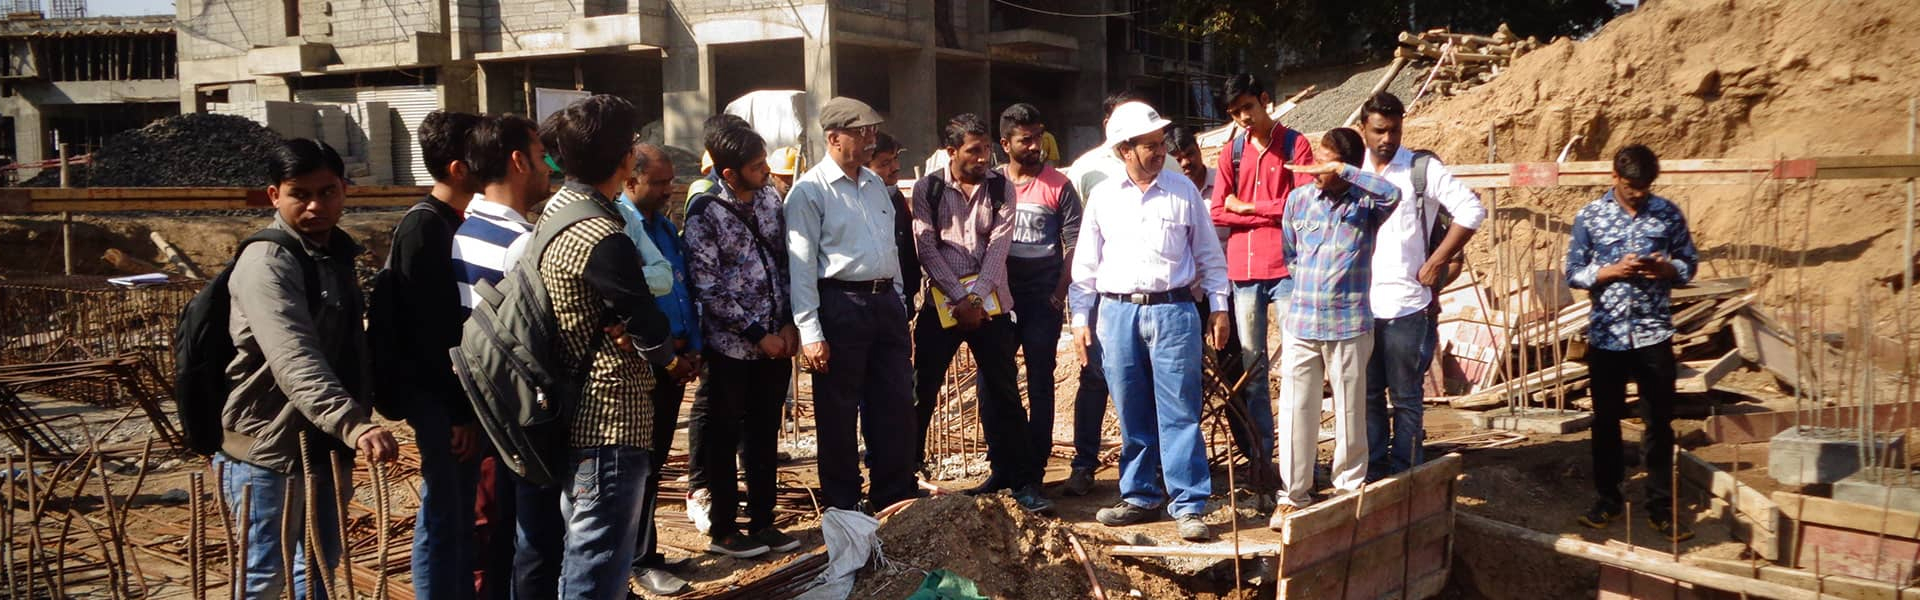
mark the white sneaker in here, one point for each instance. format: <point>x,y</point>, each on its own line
<point>699,503</point>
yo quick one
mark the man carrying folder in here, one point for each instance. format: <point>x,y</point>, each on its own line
<point>963,229</point>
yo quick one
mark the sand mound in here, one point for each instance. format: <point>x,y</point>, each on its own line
<point>1716,79</point>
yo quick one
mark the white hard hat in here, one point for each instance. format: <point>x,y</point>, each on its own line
<point>1131,120</point>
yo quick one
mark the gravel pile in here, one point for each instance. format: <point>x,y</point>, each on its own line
<point>190,150</point>
<point>1330,108</point>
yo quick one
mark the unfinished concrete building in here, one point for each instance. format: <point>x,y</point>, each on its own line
<point>358,70</point>
<point>82,80</point>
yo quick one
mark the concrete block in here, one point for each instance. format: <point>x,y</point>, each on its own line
<point>1808,455</point>
<point>289,59</point>
<point>1535,420</point>
<point>1896,488</point>
<point>615,31</point>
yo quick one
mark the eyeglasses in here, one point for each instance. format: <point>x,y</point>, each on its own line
<point>864,131</point>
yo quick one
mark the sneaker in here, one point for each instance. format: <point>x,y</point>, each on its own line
<point>1080,482</point>
<point>659,582</point>
<point>1600,516</point>
<point>670,564</point>
<point>1030,500</point>
<point>1124,513</point>
<point>737,546</point>
<point>1278,521</point>
<point>699,502</point>
<point>1193,529</point>
<point>775,540</point>
<point>1670,528</point>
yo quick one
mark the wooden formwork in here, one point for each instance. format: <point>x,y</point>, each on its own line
<point>1393,539</point>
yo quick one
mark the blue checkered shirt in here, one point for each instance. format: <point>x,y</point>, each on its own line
<point>1328,240</point>
<point>1631,313</point>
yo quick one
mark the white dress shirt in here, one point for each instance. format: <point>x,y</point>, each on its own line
<point>1401,244</point>
<point>1153,239</point>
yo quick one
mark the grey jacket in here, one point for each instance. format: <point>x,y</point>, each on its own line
<point>297,370</point>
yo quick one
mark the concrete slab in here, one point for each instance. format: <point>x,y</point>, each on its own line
<point>1808,455</point>
<point>1898,489</point>
<point>1534,420</point>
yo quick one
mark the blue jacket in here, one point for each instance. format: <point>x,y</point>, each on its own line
<point>682,318</point>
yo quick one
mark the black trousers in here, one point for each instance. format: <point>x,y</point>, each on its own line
<point>1037,324</point>
<point>1653,368</point>
<point>667,395</point>
<point>741,408</point>
<point>867,389</point>
<point>1009,451</point>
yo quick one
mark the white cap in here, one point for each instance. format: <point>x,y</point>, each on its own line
<point>1131,120</point>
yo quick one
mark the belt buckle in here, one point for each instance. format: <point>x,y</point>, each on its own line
<point>1139,297</point>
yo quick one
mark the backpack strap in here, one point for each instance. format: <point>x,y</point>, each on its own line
<point>550,227</point>
<point>698,206</point>
<point>292,244</point>
<point>1235,150</point>
<point>1422,161</point>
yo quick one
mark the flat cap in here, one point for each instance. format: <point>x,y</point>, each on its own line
<point>842,112</point>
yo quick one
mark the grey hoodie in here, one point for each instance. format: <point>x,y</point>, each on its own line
<point>297,369</point>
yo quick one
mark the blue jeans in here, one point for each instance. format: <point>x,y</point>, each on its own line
<point>1251,301</point>
<point>540,535</point>
<point>443,549</point>
<point>278,497</point>
<point>1152,365</point>
<point>1402,350</point>
<point>603,516</point>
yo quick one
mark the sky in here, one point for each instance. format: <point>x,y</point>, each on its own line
<point>112,8</point>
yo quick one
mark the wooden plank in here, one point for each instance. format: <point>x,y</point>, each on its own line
<point>1657,565</point>
<point>1747,428</point>
<point>1496,395</point>
<point>50,200</point>
<point>1848,515</point>
<point>1700,171</point>
<point>1215,550</point>
<point>1698,376</point>
<point>1370,570</point>
<point>1841,587</point>
<point>1723,485</point>
<point>1776,350</point>
<point>1381,494</point>
<point>1767,538</point>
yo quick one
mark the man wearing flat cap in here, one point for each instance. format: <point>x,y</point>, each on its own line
<point>847,303</point>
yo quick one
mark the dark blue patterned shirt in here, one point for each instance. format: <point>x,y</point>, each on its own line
<point>1630,313</point>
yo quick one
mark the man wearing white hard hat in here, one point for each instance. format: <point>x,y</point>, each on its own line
<point>1145,240</point>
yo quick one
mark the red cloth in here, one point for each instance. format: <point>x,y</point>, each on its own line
<point>1253,245</point>
<point>492,523</point>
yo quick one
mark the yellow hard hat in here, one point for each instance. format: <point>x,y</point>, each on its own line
<point>706,163</point>
<point>784,160</point>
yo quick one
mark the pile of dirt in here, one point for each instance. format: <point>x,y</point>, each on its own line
<point>190,150</point>
<point>1716,79</point>
<point>1005,551</point>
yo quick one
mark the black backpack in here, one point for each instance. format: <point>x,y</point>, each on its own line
<point>203,346</point>
<point>508,361</point>
<point>383,331</point>
<point>1423,160</point>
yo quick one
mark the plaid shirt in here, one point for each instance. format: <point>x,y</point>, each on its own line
<point>1328,244</point>
<point>1633,313</point>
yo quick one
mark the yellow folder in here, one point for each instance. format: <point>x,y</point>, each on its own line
<point>991,302</point>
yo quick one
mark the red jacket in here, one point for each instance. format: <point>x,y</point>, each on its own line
<point>1253,246</point>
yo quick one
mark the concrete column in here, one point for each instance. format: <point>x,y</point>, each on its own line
<point>29,135</point>
<point>912,90</point>
<point>457,87</point>
<point>821,70</point>
<point>686,81</point>
<point>1079,128</point>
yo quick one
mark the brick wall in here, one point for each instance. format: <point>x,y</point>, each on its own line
<point>223,28</point>
<point>366,22</point>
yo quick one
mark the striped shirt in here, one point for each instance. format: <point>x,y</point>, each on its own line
<point>1328,243</point>
<point>487,245</point>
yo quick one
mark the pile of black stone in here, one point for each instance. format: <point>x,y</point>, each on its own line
<point>190,150</point>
